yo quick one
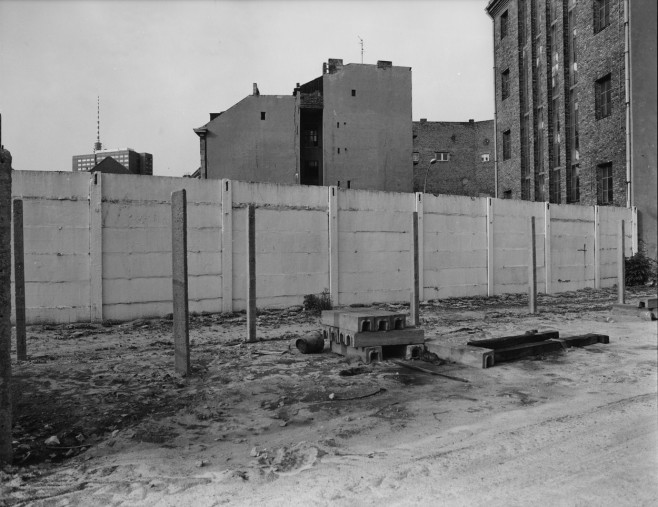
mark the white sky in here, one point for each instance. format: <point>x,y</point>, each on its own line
<point>161,66</point>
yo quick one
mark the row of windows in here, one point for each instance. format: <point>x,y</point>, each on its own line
<point>444,156</point>
<point>600,16</point>
<point>604,185</point>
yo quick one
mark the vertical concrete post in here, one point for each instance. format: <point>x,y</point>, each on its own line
<point>19,281</point>
<point>227,246</point>
<point>5,307</point>
<point>414,310</point>
<point>251,274</point>
<point>333,245</point>
<point>634,231</point>
<point>621,265</point>
<point>179,281</point>
<point>96,247</point>
<point>597,247</point>
<point>421,246</point>
<point>490,247</point>
<point>532,267</point>
<point>548,261</point>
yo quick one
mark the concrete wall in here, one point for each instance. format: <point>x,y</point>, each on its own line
<point>98,246</point>
<point>367,138</point>
<point>239,145</point>
<point>56,226</point>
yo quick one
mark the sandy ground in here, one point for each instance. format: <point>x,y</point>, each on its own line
<point>262,424</point>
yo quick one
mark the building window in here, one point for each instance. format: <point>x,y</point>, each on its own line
<point>310,138</point>
<point>601,14</point>
<point>353,93</point>
<point>603,97</point>
<point>507,145</point>
<point>415,157</point>
<point>442,156</point>
<point>310,173</point>
<point>604,184</point>
<point>485,157</point>
<point>504,84</point>
<point>504,21</point>
<point>507,194</point>
<point>262,115</point>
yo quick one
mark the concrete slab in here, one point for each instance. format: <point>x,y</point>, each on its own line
<point>366,354</point>
<point>364,320</point>
<point>463,354</point>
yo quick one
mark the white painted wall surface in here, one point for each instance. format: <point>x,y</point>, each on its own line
<point>455,246</point>
<point>99,246</point>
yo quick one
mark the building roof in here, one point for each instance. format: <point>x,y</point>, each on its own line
<point>109,165</point>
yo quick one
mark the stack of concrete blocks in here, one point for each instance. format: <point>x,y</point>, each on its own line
<point>363,332</point>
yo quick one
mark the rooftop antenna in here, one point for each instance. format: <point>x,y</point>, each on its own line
<point>97,145</point>
<point>361,42</point>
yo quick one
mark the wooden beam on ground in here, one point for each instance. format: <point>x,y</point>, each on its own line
<point>510,341</point>
<point>179,280</point>
<point>19,281</point>
<point>251,274</point>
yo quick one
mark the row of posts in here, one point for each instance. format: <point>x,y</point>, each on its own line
<point>180,287</point>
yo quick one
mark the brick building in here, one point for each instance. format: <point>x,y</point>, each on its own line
<point>350,127</point>
<point>464,157</point>
<point>564,129</point>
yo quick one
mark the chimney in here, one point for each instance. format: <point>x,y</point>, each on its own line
<point>214,115</point>
<point>423,120</point>
<point>384,64</point>
<point>335,64</point>
<point>324,67</point>
<point>256,91</point>
<point>471,121</point>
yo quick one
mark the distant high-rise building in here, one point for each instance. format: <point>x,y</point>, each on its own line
<point>136,163</point>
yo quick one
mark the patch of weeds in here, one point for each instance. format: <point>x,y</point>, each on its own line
<point>641,269</point>
<point>316,303</point>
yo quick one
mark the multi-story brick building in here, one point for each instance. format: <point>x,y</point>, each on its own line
<point>563,102</point>
<point>351,127</point>
<point>462,153</point>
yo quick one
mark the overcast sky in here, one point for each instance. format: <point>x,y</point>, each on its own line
<point>160,67</point>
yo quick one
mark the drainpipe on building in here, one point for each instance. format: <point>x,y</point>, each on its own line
<point>627,86</point>
<point>495,125</point>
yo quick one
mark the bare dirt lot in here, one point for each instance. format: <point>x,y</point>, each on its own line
<point>263,424</point>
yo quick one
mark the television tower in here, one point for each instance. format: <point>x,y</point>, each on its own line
<point>97,145</point>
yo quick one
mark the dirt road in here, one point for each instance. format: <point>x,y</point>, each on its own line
<point>262,424</point>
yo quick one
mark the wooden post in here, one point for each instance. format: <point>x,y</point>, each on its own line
<point>5,307</point>
<point>179,281</point>
<point>251,274</point>
<point>532,267</point>
<point>415,293</point>
<point>19,281</point>
<point>621,265</point>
